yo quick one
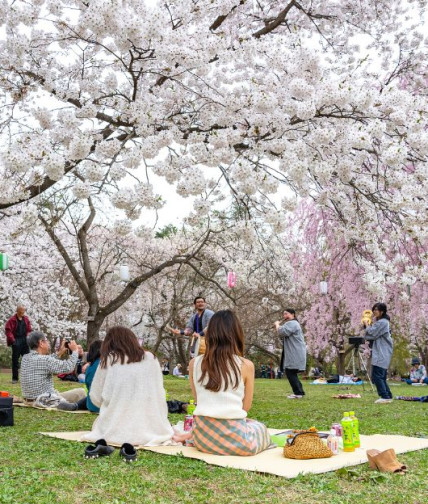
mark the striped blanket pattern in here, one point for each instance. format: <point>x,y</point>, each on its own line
<point>229,437</point>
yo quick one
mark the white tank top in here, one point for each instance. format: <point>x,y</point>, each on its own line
<point>226,404</point>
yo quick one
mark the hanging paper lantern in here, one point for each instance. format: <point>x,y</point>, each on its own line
<point>124,273</point>
<point>4,262</point>
<point>231,279</point>
<point>323,287</point>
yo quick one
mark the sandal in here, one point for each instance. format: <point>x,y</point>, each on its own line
<point>128,453</point>
<point>385,461</point>
<point>99,450</point>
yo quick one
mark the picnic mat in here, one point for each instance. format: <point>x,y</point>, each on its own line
<point>272,461</point>
<point>316,382</point>
<point>26,405</point>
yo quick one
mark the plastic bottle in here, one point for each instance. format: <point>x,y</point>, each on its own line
<point>333,442</point>
<point>355,429</point>
<point>348,440</point>
<point>191,407</point>
<point>188,419</point>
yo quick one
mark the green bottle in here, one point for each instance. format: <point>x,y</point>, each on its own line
<point>348,440</point>
<point>166,395</point>
<point>191,407</point>
<point>355,429</point>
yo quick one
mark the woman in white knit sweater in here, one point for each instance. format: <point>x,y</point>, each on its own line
<point>222,383</point>
<point>128,389</point>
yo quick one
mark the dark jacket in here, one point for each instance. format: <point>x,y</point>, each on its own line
<point>206,317</point>
<point>89,376</point>
<point>11,327</point>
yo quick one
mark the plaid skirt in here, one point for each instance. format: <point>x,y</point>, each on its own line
<point>229,437</point>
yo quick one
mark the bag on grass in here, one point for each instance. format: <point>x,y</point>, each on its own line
<point>175,406</point>
<point>306,445</point>
<point>47,400</point>
<point>6,411</point>
<point>68,377</point>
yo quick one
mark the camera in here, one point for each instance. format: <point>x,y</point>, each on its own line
<point>356,340</point>
<point>67,340</point>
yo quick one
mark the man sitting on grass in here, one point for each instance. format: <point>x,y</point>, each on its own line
<point>177,371</point>
<point>418,373</point>
<point>38,368</point>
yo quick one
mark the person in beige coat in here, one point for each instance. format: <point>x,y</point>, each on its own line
<point>128,389</point>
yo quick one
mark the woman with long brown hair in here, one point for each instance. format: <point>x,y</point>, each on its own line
<point>222,383</point>
<point>128,389</point>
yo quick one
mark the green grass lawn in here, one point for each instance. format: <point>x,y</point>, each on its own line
<point>36,469</point>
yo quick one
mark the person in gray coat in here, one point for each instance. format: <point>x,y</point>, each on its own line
<point>293,358</point>
<point>383,345</point>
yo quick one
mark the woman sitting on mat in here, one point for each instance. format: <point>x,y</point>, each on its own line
<point>222,383</point>
<point>128,389</point>
<point>94,354</point>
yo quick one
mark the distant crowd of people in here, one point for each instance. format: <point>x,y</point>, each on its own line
<point>125,383</point>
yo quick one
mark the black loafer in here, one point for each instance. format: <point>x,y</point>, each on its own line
<point>128,452</point>
<point>99,450</point>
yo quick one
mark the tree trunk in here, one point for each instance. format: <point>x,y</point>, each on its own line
<point>93,328</point>
<point>183,354</point>
<point>340,363</point>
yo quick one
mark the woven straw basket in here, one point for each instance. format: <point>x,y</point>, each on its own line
<point>306,445</point>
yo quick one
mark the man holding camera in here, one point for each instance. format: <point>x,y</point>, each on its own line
<point>38,368</point>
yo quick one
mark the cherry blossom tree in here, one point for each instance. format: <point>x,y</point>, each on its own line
<point>230,102</point>
<point>356,280</point>
<point>409,303</point>
<point>93,251</point>
<point>38,279</point>
<point>222,99</point>
<point>167,299</point>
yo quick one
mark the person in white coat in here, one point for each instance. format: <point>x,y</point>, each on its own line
<point>128,389</point>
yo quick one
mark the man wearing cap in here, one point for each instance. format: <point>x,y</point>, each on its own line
<point>17,328</point>
<point>418,372</point>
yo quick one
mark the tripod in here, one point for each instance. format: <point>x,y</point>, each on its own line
<point>359,365</point>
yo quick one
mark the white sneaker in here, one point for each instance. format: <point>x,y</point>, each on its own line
<point>293,396</point>
<point>383,401</point>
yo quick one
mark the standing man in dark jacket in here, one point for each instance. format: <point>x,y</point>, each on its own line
<point>196,325</point>
<point>17,328</point>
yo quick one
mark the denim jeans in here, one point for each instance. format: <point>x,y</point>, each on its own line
<point>410,381</point>
<point>379,379</point>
